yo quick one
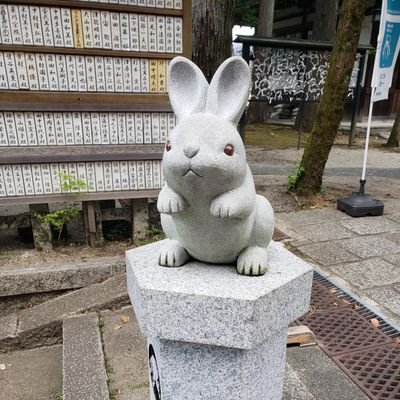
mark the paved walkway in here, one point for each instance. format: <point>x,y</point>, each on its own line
<point>360,255</point>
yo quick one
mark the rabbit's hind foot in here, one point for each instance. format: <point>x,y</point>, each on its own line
<point>173,254</point>
<point>252,261</point>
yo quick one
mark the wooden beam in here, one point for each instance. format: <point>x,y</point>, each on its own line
<point>300,335</point>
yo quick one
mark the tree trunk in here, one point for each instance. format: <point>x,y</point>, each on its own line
<point>324,28</point>
<point>394,138</point>
<point>332,103</point>
<point>212,22</point>
<point>258,110</point>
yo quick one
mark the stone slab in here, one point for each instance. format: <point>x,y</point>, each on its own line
<point>393,237</point>
<point>324,232</point>
<point>219,373</point>
<point>41,325</point>
<point>16,281</point>
<point>321,376</point>
<point>84,373</point>
<point>368,246</point>
<point>32,374</point>
<point>371,225</point>
<point>294,388</point>
<point>327,253</point>
<point>368,273</point>
<point>313,217</point>
<point>388,297</point>
<point>125,349</point>
<point>394,217</point>
<point>240,311</point>
<point>393,259</point>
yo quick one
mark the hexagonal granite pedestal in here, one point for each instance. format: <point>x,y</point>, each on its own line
<point>213,334</point>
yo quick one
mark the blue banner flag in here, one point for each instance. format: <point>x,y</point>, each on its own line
<point>387,50</point>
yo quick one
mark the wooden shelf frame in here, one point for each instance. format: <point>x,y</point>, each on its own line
<point>84,196</point>
<point>18,100</point>
<point>80,153</point>
<point>83,51</point>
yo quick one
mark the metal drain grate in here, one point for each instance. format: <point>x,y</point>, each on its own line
<point>376,370</point>
<point>343,330</point>
<point>368,353</point>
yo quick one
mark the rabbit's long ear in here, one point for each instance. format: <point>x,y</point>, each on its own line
<point>229,89</point>
<point>187,87</point>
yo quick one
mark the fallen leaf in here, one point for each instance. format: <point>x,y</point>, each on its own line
<point>117,327</point>
<point>333,290</point>
<point>346,301</point>
<point>375,322</point>
<point>397,340</point>
<point>3,367</point>
<point>125,318</point>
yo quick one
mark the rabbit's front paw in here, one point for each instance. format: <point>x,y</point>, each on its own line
<point>171,203</point>
<point>173,254</point>
<point>252,261</point>
<point>220,209</point>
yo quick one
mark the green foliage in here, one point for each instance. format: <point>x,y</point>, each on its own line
<point>57,219</point>
<point>295,174</point>
<point>246,13</point>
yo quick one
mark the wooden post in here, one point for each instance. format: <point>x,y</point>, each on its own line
<point>140,220</point>
<point>42,235</point>
<point>93,226</point>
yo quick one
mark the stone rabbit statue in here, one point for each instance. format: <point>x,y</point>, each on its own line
<point>209,207</point>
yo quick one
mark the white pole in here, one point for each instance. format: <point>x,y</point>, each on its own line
<point>371,106</point>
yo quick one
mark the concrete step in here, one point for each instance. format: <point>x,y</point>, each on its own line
<point>84,372</point>
<point>41,325</point>
<point>37,279</point>
<point>34,374</point>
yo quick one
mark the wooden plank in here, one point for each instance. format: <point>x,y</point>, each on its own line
<point>88,153</point>
<point>300,335</point>
<point>99,6</point>
<point>59,198</point>
<point>77,101</point>
<point>84,51</point>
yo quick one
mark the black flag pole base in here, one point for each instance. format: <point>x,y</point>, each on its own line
<point>360,204</point>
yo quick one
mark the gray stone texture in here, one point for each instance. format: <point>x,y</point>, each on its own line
<point>388,297</point>
<point>16,281</point>
<point>8,331</point>
<point>368,273</point>
<point>84,373</point>
<point>394,217</point>
<point>32,374</point>
<point>42,234</point>
<point>371,225</point>
<point>125,349</point>
<point>312,217</point>
<point>324,232</point>
<point>42,325</point>
<point>198,372</point>
<point>393,237</point>
<point>240,311</point>
<point>294,388</point>
<point>327,253</point>
<point>140,219</point>
<point>393,259</point>
<point>209,206</point>
<point>368,246</point>
<point>321,376</point>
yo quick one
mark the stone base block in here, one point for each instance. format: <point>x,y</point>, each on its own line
<point>188,371</point>
<point>214,334</point>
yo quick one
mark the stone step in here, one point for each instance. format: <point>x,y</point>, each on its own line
<point>37,279</point>
<point>84,372</point>
<point>41,325</point>
<point>31,374</point>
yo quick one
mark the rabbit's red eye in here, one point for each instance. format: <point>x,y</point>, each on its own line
<point>168,145</point>
<point>229,150</point>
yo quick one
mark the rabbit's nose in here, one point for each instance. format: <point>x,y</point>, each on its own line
<point>191,151</point>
